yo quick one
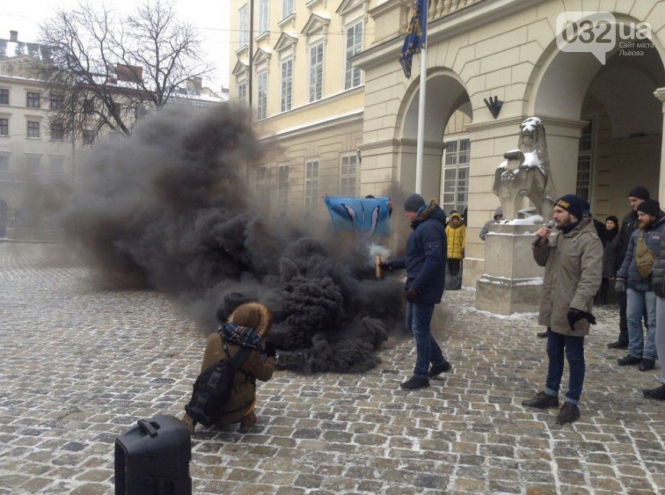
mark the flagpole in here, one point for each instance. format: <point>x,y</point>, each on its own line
<point>421,108</point>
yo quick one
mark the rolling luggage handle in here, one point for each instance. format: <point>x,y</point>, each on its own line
<point>147,427</point>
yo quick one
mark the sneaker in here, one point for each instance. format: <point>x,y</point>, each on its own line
<point>542,401</point>
<point>619,344</point>
<point>568,414</point>
<point>629,360</point>
<point>657,393</point>
<point>542,335</point>
<point>647,364</point>
<point>247,423</point>
<point>441,368</point>
<point>415,383</point>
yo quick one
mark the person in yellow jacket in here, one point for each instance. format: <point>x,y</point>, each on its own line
<point>456,235</point>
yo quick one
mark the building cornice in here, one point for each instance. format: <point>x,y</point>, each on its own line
<point>341,120</point>
<point>461,21</point>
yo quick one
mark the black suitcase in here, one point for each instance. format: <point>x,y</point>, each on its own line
<point>153,458</point>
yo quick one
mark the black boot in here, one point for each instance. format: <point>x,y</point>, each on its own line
<point>647,364</point>
<point>441,368</point>
<point>655,393</point>
<point>415,383</point>
<point>568,414</point>
<point>629,360</point>
<point>619,344</point>
<point>542,401</point>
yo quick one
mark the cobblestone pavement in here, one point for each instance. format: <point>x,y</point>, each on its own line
<point>79,365</point>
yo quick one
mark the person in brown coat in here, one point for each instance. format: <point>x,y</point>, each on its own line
<point>248,319</point>
<point>573,261</point>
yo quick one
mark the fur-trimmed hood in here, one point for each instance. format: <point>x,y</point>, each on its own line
<point>254,315</point>
<point>432,211</point>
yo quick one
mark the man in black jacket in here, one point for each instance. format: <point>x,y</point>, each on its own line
<point>636,197</point>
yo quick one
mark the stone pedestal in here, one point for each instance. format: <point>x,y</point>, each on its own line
<point>512,281</point>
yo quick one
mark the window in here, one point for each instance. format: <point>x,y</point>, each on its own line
<point>283,183</point>
<point>311,185</point>
<point>456,175</point>
<point>287,8</point>
<point>287,84</point>
<point>88,106</point>
<point>4,127</point>
<point>32,163</point>
<point>242,93</point>
<point>243,38</point>
<point>4,97</point>
<point>57,132</point>
<point>56,165</point>
<point>33,100</point>
<point>56,102</point>
<point>261,182</point>
<point>88,136</point>
<point>349,175</point>
<point>33,129</point>
<point>354,45</point>
<point>4,163</point>
<point>263,16</point>
<point>316,72</point>
<point>262,90</point>
<point>584,162</point>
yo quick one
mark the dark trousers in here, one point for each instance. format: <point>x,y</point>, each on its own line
<point>418,319</point>
<point>573,347</point>
<point>623,318</point>
<point>604,291</point>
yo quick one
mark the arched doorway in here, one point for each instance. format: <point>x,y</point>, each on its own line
<point>616,143</point>
<point>446,96</point>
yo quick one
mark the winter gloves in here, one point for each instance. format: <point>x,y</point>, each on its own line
<point>575,315</point>
<point>620,286</point>
<point>271,351</point>
<point>411,295</point>
<point>385,266</point>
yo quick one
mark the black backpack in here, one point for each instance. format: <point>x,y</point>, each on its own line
<point>212,389</point>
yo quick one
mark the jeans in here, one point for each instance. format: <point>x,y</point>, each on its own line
<point>623,320</point>
<point>418,318</point>
<point>660,335</point>
<point>574,349</point>
<point>637,301</point>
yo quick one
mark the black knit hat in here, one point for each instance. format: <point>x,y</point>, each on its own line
<point>614,219</point>
<point>414,202</point>
<point>650,207</point>
<point>572,204</point>
<point>639,192</point>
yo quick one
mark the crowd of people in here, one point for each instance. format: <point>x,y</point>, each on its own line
<point>581,261</point>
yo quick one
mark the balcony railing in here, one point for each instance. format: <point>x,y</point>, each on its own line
<point>440,8</point>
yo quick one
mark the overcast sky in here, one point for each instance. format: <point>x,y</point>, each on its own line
<point>209,16</point>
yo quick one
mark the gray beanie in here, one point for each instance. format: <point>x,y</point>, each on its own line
<point>414,202</point>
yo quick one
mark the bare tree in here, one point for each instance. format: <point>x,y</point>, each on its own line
<point>104,70</point>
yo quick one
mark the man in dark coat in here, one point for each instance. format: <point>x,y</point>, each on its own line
<point>425,264</point>
<point>658,285</point>
<point>636,196</point>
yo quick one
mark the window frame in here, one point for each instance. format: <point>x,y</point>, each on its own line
<point>88,137</point>
<point>5,126</point>
<point>242,95</point>
<point>283,185</point>
<point>283,107</point>
<point>29,165</point>
<point>347,176</point>
<point>457,166</point>
<point>312,47</point>
<point>586,154</point>
<point>347,65</point>
<point>286,14</point>
<point>243,26</point>
<point>57,137</point>
<point>30,97</point>
<point>2,90</point>
<point>262,105</point>
<point>31,131</point>
<point>311,199</point>
<point>62,165</point>
<point>6,156</point>
<point>264,17</point>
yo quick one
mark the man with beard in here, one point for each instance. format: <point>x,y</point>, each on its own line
<point>425,264</point>
<point>636,196</point>
<point>634,279</point>
<point>573,261</point>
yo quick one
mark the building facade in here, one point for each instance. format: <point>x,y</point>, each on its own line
<point>603,116</point>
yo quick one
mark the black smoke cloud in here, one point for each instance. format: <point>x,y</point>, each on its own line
<point>169,207</point>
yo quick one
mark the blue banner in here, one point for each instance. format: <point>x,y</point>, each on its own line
<point>416,35</point>
<point>368,216</point>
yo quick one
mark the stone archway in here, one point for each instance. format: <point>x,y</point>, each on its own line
<point>446,94</point>
<point>614,106</point>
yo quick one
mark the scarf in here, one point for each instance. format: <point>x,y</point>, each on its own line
<point>242,336</point>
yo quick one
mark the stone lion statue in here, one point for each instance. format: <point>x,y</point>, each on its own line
<point>526,172</point>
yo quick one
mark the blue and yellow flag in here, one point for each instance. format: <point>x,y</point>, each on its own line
<point>416,35</point>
